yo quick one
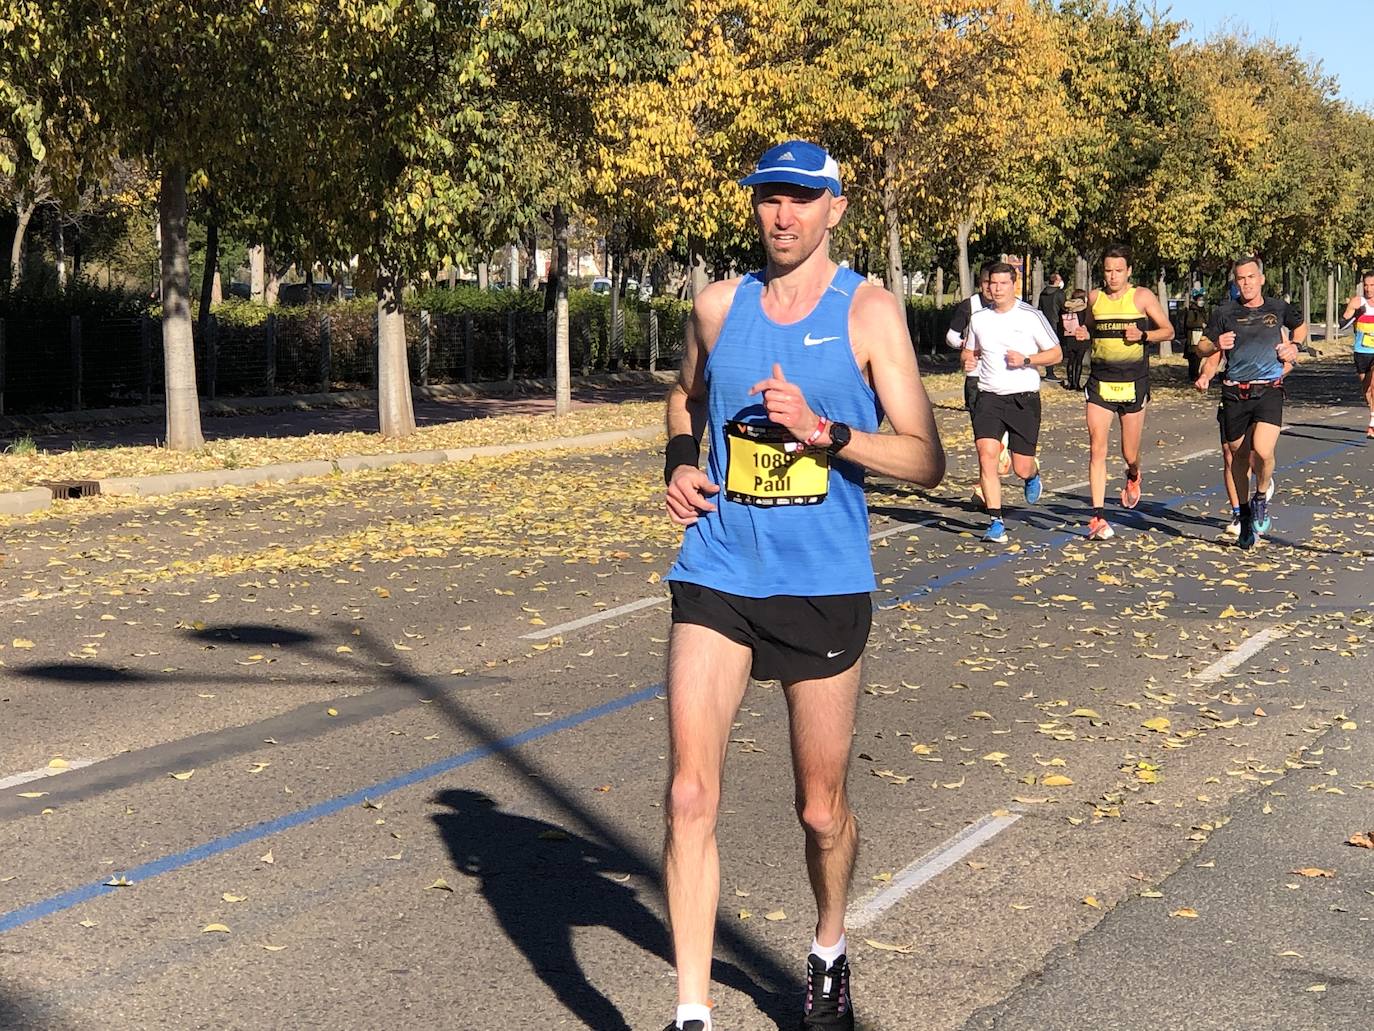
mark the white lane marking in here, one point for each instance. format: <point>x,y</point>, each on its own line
<point>578,624</point>
<point>1228,662</point>
<point>31,775</point>
<point>904,528</point>
<point>1194,456</point>
<point>928,866</point>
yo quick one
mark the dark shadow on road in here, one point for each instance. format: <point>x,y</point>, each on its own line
<point>753,970</point>
<point>512,856</point>
<point>255,634</point>
<point>20,1013</point>
<point>81,674</point>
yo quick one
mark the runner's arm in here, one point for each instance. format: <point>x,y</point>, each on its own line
<point>688,484</point>
<point>913,451</point>
<point>1160,326</point>
<point>958,324</point>
<point>1296,326</point>
<point>1047,343</point>
<point>1208,370</point>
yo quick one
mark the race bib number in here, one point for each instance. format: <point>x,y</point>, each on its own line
<point>1124,392</point>
<point>769,467</point>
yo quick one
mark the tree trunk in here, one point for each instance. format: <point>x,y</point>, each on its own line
<point>1307,298</point>
<point>892,220</point>
<point>178,347</point>
<point>257,272</point>
<point>24,214</point>
<point>562,402</point>
<point>1080,273</point>
<point>1330,331</point>
<point>77,254</point>
<point>395,408</point>
<point>59,247</point>
<point>615,271</point>
<point>532,259</point>
<point>272,290</point>
<point>961,236</point>
<point>216,290</point>
<point>483,275</point>
<point>207,277</point>
<point>940,285</point>
<point>512,266</point>
<point>696,251</point>
<point>1037,280</point>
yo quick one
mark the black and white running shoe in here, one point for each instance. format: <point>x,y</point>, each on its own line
<point>828,1006</point>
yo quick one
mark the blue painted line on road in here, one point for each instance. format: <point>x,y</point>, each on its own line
<point>180,860</point>
<point>936,583</point>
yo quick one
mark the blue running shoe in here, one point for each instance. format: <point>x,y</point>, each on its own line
<point>1259,505</point>
<point>1247,537</point>
<point>1034,488</point>
<point>996,532</point>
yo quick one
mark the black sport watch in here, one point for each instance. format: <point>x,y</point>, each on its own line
<point>839,437</point>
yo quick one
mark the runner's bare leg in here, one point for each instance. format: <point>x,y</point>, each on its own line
<point>821,714</point>
<point>707,677</point>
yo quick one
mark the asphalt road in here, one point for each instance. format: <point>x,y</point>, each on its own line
<point>358,772</point>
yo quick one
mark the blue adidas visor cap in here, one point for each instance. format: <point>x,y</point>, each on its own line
<point>798,163</point>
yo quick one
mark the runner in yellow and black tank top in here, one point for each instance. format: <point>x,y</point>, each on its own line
<point>1122,319</point>
<point>1120,374</point>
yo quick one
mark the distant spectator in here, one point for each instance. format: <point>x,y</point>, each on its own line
<point>1051,305</point>
<point>1194,322</point>
<point>1073,315</point>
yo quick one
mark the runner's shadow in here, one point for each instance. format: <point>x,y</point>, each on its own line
<point>542,883</point>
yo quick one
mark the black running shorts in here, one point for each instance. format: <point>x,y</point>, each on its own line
<point>1017,415</point>
<point>1363,363</point>
<point>792,638</point>
<point>970,393</point>
<point>1242,409</point>
<point>1123,398</point>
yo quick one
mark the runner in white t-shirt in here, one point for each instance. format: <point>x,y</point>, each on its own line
<point>1007,342</point>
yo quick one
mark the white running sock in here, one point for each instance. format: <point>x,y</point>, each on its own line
<point>693,1011</point>
<point>828,953</point>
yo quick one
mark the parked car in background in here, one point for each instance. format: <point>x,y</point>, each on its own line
<point>303,293</point>
<point>601,285</point>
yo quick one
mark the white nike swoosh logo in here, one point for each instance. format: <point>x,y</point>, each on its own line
<point>811,341</point>
<point>831,655</point>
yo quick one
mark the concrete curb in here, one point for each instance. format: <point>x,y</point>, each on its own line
<point>22,502</point>
<point>37,499</point>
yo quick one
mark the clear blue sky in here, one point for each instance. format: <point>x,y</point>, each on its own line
<point>1337,34</point>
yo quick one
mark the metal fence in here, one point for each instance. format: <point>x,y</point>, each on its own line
<point>67,364</point>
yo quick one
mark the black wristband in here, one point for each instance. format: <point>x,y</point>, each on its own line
<point>682,449</point>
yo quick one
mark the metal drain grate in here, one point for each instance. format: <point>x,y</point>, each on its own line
<point>65,489</point>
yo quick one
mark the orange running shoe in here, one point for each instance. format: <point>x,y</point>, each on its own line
<point>1099,529</point>
<point>1130,494</point>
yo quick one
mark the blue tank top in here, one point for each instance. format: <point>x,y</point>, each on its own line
<point>788,520</point>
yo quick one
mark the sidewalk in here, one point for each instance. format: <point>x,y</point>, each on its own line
<point>341,412</point>
<point>293,417</point>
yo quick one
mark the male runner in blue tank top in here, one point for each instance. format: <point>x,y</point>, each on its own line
<point>791,371</point>
<point>1258,336</point>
